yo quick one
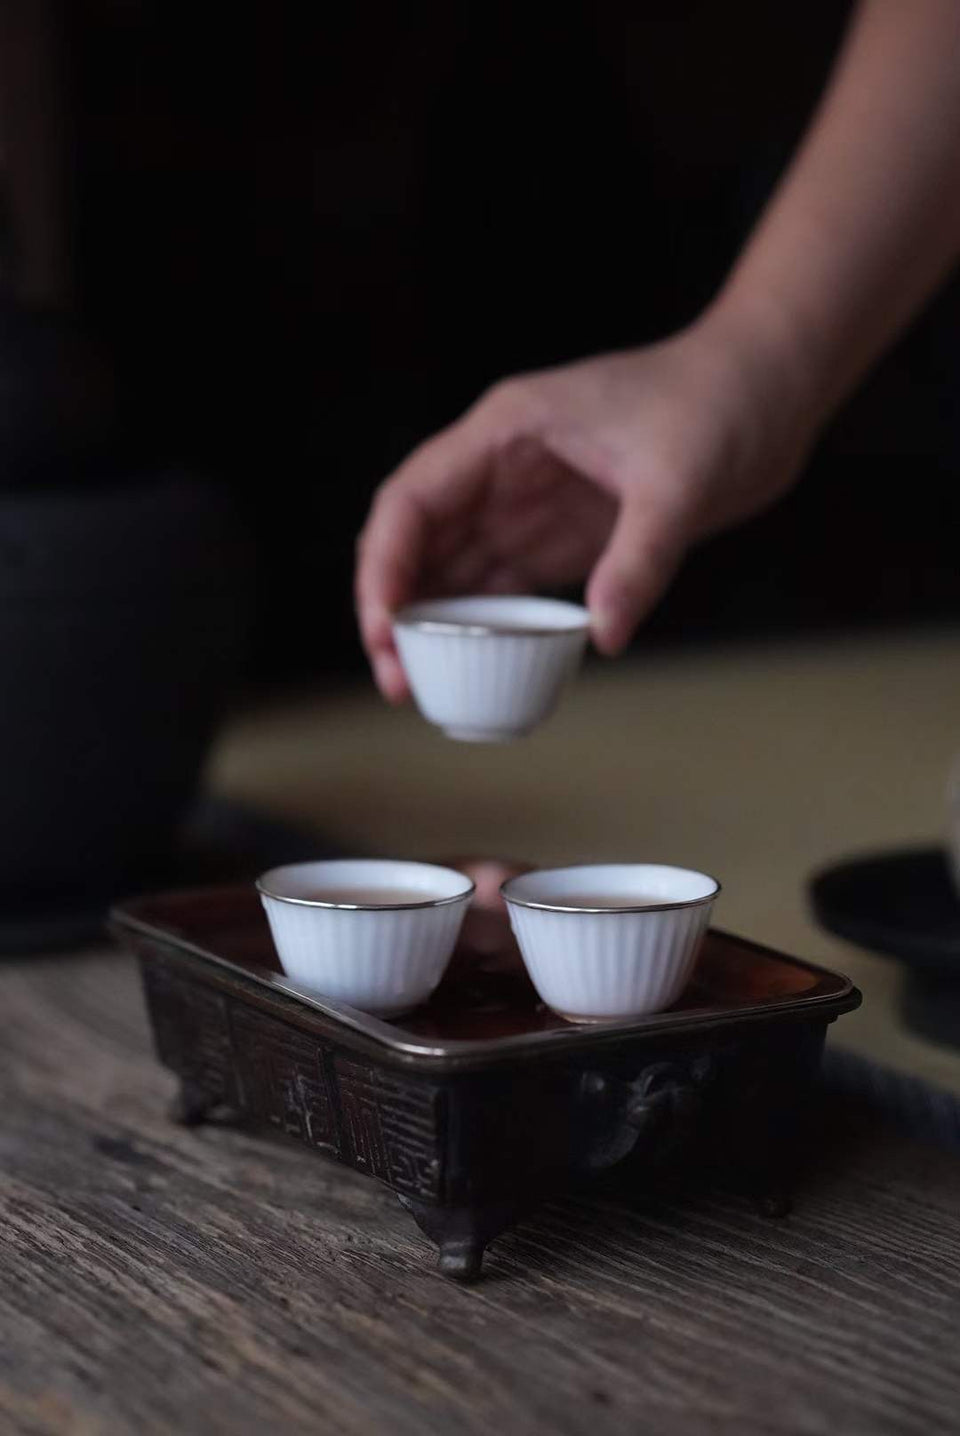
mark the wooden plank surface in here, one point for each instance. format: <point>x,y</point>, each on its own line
<point>155,1279</point>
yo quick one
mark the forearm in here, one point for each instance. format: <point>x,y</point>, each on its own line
<point>866,221</point>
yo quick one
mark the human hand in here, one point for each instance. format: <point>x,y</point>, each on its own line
<point>606,470</point>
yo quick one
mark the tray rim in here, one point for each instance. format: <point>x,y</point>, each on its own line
<point>411,1048</point>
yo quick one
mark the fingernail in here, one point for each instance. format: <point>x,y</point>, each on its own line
<point>383,670</point>
<point>389,676</point>
<point>604,627</point>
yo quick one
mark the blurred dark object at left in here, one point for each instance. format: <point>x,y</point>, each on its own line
<point>123,621</point>
<point>126,575</point>
<point>57,419</point>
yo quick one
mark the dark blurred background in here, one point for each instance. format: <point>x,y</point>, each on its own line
<point>303,237</point>
<point>251,254</point>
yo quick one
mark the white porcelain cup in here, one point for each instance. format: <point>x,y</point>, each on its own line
<point>613,940</point>
<point>374,934</point>
<point>489,669</point>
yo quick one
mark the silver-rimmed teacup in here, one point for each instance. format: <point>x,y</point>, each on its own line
<point>490,668</point>
<point>376,934</point>
<point>609,941</point>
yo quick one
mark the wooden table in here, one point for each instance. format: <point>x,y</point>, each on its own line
<point>155,1279</point>
<point>159,1280</point>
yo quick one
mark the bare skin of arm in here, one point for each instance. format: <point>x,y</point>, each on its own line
<point>611,469</point>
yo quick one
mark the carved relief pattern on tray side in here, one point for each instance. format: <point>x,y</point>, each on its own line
<point>283,1078</point>
<point>192,1032</point>
<point>391,1128</point>
<point>234,1054</point>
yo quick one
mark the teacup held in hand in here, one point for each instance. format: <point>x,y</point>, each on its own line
<point>489,669</point>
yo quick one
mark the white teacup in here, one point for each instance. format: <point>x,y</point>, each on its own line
<point>489,669</point>
<point>374,934</point>
<point>609,941</point>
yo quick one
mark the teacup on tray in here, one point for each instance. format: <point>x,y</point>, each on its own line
<point>610,941</point>
<point>489,669</point>
<point>374,934</point>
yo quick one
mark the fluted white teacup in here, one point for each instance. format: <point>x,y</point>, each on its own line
<point>375,934</point>
<point>610,941</point>
<point>490,668</point>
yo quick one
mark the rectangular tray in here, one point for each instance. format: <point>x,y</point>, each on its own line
<point>483,1102</point>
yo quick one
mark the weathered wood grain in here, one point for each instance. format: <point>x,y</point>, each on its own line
<point>155,1279</point>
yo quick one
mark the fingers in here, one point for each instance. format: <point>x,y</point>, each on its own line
<point>642,556</point>
<point>388,560</point>
<point>389,675</point>
<point>391,550</point>
<point>430,492</point>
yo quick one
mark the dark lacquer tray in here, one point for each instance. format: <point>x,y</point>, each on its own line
<point>483,1101</point>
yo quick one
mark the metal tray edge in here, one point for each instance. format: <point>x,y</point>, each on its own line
<point>411,1049</point>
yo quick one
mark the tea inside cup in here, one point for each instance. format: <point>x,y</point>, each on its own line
<point>375,934</point>
<point>489,668</point>
<point>610,941</point>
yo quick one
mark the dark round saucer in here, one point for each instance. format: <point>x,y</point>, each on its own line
<point>905,905</point>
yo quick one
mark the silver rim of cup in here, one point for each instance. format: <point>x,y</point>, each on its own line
<point>467,893</point>
<point>448,629</point>
<point>472,628</point>
<point>625,908</point>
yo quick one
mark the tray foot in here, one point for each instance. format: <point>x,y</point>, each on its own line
<point>190,1107</point>
<point>773,1205</point>
<point>461,1261</point>
<point>461,1234</point>
<point>767,1178</point>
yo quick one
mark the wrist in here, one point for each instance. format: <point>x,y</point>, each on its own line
<point>774,350</point>
<point>760,398</point>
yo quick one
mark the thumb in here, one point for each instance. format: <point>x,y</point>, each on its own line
<point>632,573</point>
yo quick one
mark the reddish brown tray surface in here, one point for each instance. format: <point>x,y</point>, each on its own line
<point>487,1004</point>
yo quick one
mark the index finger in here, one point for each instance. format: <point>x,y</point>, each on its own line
<point>432,484</point>
<point>389,559</point>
